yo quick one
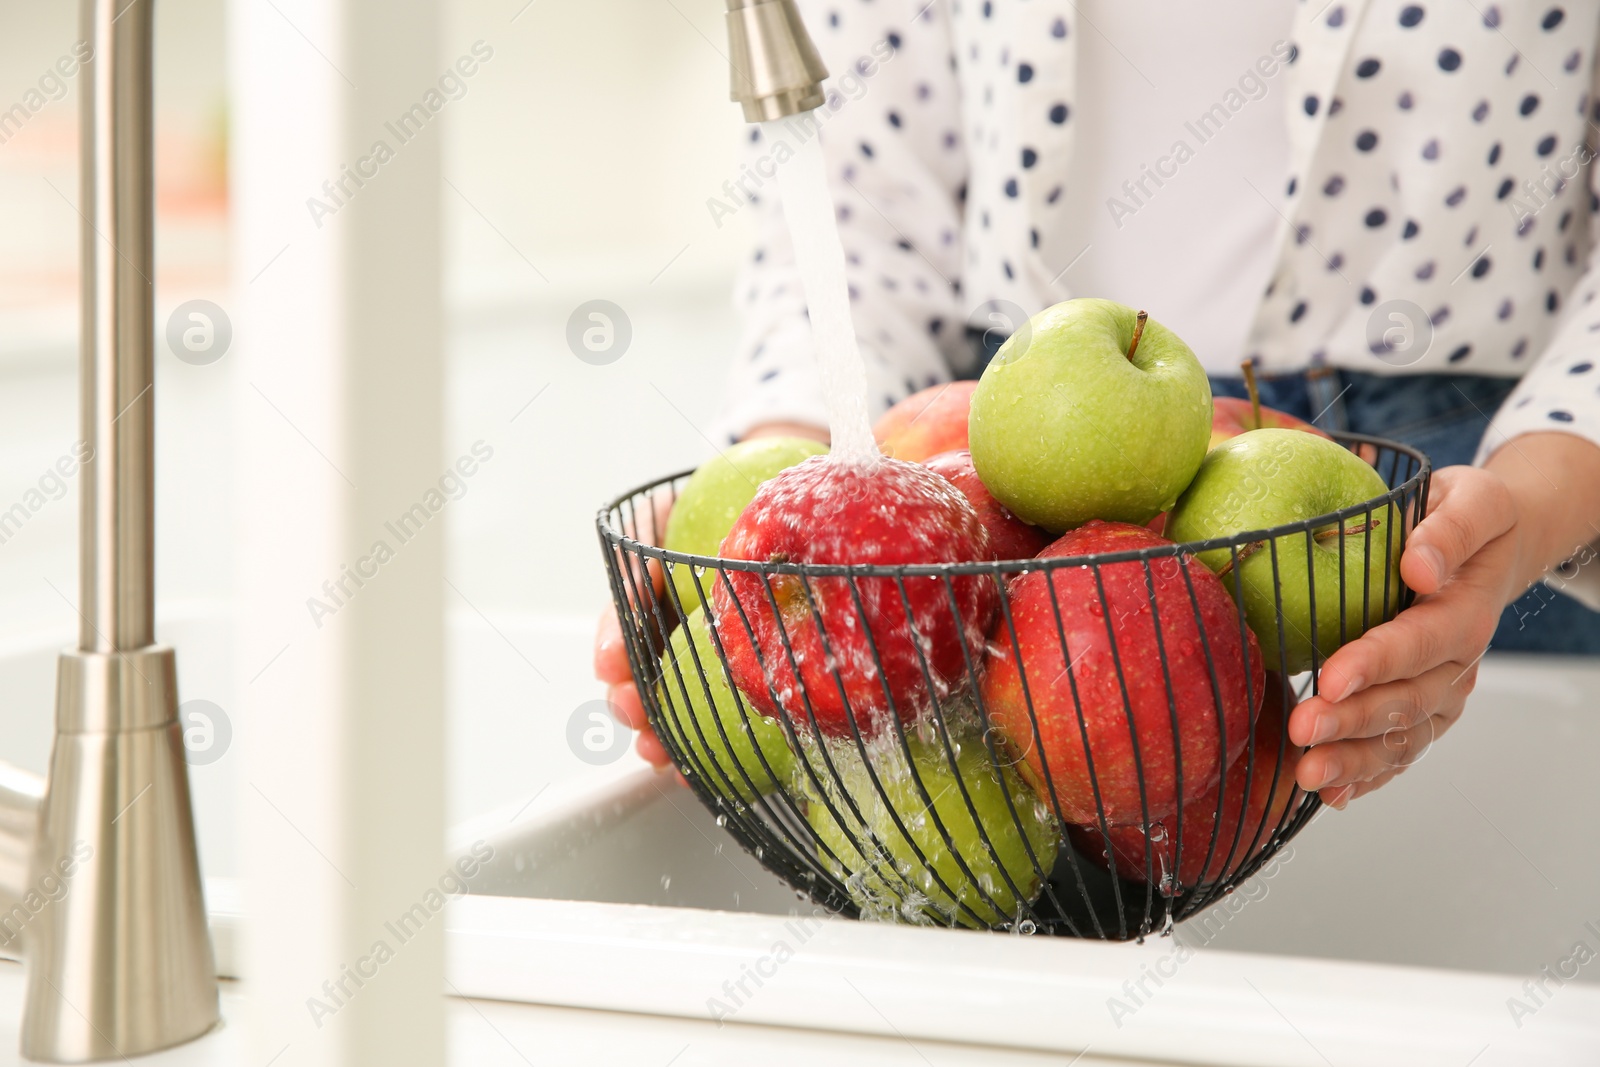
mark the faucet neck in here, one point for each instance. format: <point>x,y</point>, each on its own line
<point>117,525</point>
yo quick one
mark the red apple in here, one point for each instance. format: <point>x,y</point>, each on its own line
<point>926,423</point>
<point>827,511</point>
<point>1231,416</point>
<point>1093,668</point>
<point>1009,536</point>
<point>1270,788</point>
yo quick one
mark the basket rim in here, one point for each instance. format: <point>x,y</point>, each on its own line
<point>615,538</point>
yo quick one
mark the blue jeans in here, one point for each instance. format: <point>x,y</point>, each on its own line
<point>1444,415</point>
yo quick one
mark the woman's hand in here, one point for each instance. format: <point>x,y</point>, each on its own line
<point>1489,533</point>
<point>611,652</point>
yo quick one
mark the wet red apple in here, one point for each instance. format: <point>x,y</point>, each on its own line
<point>926,423</point>
<point>1009,536</point>
<point>1258,786</point>
<point>847,652</point>
<point>1111,687</point>
<point>1232,416</point>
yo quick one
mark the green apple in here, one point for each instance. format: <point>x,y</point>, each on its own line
<point>715,494</point>
<point>1091,411</point>
<point>964,880</point>
<point>722,739</point>
<point>1266,478</point>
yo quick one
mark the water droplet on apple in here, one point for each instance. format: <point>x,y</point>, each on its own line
<point>1096,609</point>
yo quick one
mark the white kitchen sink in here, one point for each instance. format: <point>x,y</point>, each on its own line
<point>1400,931</point>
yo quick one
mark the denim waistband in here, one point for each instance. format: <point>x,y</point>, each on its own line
<point>1445,415</point>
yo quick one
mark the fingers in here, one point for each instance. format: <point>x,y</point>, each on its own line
<point>624,700</point>
<point>1382,709</point>
<point>1453,626</point>
<point>636,581</point>
<point>1365,760</point>
<point>1422,710</point>
<point>610,651</point>
<point>647,525</point>
<point>650,749</point>
<point>1470,507</point>
<point>1340,797</point>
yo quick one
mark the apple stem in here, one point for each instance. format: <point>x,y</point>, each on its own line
<point>1348,531</point>
<point>1138,332</point>
<point>1248,369</point>
<point>1244,553</point>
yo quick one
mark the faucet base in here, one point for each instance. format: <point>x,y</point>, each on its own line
<point>119,955</point>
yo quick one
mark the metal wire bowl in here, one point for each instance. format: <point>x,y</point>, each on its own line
<point>945,817</point>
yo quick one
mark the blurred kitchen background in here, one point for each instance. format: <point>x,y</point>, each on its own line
<point>578,164</point>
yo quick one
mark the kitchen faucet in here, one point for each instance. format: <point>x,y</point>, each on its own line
<point>775,69</point>
<point>111,917</point>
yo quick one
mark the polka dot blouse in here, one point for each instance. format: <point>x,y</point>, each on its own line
<point>1436,214</point>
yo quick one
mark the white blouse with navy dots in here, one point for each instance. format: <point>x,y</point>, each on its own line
<point>1430,155</point>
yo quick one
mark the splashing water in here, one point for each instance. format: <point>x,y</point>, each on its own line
<point>808,209</point>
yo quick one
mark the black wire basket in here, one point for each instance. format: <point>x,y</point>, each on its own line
<point>1105,758</point>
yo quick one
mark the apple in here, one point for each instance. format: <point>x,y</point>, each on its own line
<point>1253,798</point>
<point>812,648</point>
<point>1265,478</point>
<point>923,846</point>
<point>733,749</point>
<point>714,496</point>
<point>926,423</point>
<point>1094,411</point>
<point>1103,690</point>
<point>1009,536</point>
<point>1232,416</point>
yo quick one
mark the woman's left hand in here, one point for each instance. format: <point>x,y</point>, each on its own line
<point>1490,532</point>
<point>1386,697</point>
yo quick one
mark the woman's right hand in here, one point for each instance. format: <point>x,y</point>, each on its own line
<point>610,649</point>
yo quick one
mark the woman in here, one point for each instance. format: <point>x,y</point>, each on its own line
<point>1382,205</point>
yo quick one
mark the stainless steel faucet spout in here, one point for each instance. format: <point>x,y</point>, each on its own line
<point>119,956</point>
<point>776,69</point>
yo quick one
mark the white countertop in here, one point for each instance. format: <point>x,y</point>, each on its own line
<point>497,1034</point>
